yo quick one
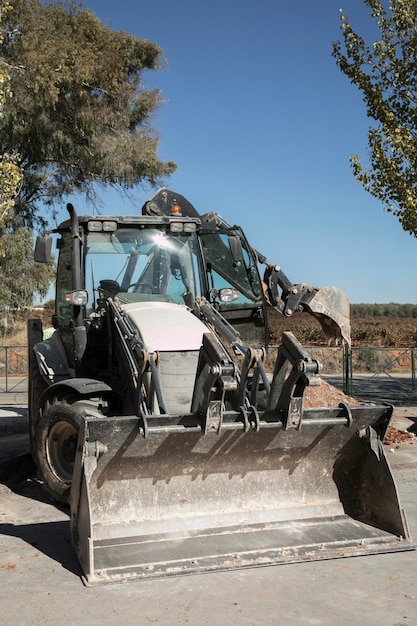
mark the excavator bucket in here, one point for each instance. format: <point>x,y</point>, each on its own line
<point>172,499</point>
<point>330,307</point>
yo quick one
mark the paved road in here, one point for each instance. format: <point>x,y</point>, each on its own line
<point>392,388</point>
<point>13,391</point>
<point>40,577</point>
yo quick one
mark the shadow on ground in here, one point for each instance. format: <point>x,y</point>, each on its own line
<point>52,538</point>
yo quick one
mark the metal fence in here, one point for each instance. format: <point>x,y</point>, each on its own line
<point>371,373</point>
<point>13,371</point>
<point>387,374</point>
<point>364,372</point>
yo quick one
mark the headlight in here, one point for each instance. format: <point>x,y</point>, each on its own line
<point>79,297</point>
<point>176,227</point>
<point>228,295</point>
<point>95,226</point>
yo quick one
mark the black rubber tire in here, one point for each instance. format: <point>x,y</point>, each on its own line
<point>55,447</point>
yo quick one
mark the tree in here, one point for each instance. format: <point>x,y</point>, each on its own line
<point>21,277</point>
<point>386,73</point>
<point>79,113</point>
<point>10,172</point>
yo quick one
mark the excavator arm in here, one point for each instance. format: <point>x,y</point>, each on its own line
<point>329,305</point>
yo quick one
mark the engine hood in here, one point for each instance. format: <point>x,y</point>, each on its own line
<point>164,326</point>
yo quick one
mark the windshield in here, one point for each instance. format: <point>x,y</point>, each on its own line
<point>141,264</point>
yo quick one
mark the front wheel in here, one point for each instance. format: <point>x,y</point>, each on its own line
<point>55,448</point>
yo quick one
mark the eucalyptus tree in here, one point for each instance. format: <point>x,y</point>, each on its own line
<point>10,172</point>
<point>78,111</point>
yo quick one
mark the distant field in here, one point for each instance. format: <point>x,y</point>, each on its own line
<point>374,330</point>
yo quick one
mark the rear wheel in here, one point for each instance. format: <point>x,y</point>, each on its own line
<point>55,448</point>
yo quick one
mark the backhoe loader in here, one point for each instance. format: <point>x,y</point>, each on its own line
<point>153,415</point>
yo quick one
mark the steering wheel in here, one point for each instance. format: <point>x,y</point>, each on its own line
<point>141,287</point>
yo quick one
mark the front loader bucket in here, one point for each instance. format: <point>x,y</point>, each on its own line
<point>179,501</point>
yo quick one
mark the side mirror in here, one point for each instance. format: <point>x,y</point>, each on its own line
<point>43,248</point>
<point>235,246</point>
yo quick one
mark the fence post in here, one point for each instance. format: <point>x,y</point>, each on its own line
<point>7,368</point>
<point>413,371</point>
<point>347,370</point>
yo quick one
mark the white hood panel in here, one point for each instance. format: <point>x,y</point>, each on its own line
<point>166,327</point>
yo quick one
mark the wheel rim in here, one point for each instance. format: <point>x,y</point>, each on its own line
<point>60,448</point>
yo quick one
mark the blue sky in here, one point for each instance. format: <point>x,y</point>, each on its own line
<point>261,123</point>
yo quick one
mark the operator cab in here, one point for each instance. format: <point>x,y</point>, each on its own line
<point>144,261</point>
